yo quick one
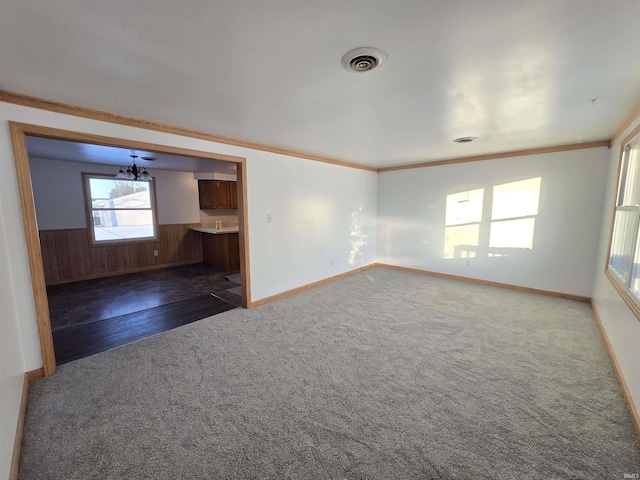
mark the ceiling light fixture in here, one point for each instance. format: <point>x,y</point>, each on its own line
<point>363,59</point>
<point>465,139</point>
<point>135,173</point>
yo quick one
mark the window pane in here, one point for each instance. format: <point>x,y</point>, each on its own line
<point>631,191</point>
<point>464,207</point>
<point>516,199</point>
<point>622,242</point>
<point>512,233</point>
<point>122,224</point>
<point>634,284</point>
<point>461,241</point>
<point>113,193</point>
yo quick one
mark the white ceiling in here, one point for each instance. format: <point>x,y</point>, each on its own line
<point>84,152</point>
<point>515,73</point>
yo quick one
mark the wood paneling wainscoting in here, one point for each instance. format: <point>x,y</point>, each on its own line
<point>68,256</point>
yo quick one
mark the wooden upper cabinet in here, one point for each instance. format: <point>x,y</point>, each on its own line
<point>233,194</point>
<point>222,194</point>
<point>218,195</point>
<point>205,193</point>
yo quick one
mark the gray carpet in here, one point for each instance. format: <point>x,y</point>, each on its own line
<point>381,375</point>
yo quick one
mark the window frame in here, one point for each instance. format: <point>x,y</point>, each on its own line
<point>86,176</point>
<point>622,285</point>
<point>473,250</point>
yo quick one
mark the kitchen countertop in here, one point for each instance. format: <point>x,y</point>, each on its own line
<point>214,231</point>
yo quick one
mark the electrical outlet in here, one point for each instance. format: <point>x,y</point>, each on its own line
<point>155,253</point>
<point>331,262</point>
<point>269,219</point>
<point>468,263</point>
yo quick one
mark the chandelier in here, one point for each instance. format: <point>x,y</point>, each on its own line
<point>133,172</point>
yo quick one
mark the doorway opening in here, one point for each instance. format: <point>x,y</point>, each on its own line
<point>172,243</point>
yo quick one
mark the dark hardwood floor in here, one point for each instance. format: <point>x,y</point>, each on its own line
<point>81,341</point>
<point>77,303</point>
<point>95,315</point>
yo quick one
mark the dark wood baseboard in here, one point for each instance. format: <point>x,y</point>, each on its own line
<point>15,459</point>
<point>633,411</point>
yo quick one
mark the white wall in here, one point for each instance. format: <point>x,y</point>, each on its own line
<point>411,219</point>
<point>622,326</point>
<point>321,214</point>
<point>328,212</point>
<point>59,197</point>
<point>19,345</point>
<point>275,182</point>
<point>11,359</point>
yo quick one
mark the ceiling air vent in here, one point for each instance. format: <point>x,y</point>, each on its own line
<point>363,59</point>
<point>465,139</point>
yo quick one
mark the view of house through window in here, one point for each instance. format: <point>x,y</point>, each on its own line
<point>624,255</point>
<point>512,207</point>
<point>120,210</point>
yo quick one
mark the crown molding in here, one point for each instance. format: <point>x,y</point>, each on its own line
<point>493,156</point>
<point>58,107</point>
<point>635,113</point>
<point>42,104</point>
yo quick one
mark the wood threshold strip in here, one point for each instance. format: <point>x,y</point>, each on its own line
<point>17,445</point>
<point>34,102</point>
<point>494,156</point>
<point>635,417</point>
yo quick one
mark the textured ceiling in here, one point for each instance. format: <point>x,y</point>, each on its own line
<point>517,74</point>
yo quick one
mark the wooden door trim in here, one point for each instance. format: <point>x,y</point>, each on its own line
<point>243,234</point>
<point>21,158</point>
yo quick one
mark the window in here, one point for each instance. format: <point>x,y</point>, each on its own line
<point>462,223</point>
<point>120,210</point>
<point>624,253</point>
<point>492,222</point>
<point>513,215</point>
